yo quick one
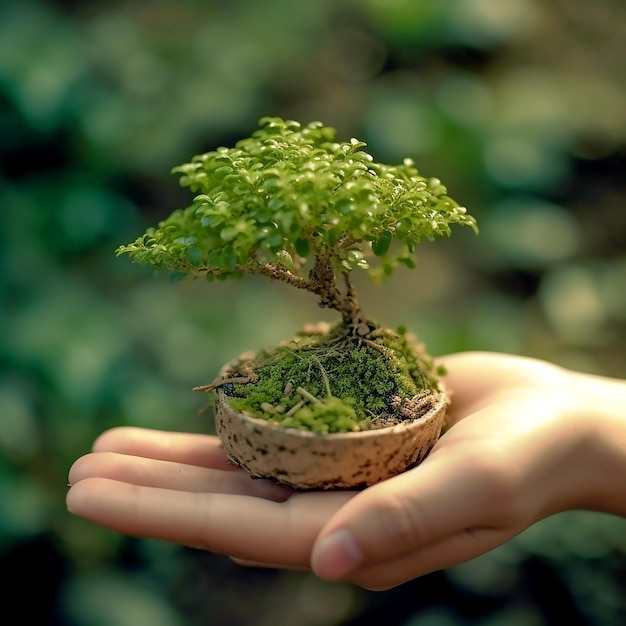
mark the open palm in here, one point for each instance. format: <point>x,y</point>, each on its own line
<point>516,450</point>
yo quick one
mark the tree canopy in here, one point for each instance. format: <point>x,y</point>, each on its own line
<point>293,203</point>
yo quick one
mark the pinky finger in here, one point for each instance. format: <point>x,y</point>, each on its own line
<point>264,565</point>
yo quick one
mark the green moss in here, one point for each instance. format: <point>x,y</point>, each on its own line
<point>332,382</point>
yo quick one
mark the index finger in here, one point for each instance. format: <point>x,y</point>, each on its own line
<point>478,379</point>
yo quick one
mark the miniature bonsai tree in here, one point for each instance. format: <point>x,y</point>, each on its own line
<point>294,204</point>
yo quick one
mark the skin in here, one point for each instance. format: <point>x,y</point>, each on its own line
<point>526,440</point>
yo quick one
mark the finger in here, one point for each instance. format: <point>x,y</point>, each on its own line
<point>172,475</point>
<point>477,379</point>
<point>238,526</point>
<point>440,555</point>
<point>260,565</point>
<point>440,498</point>
<point>192,449</point>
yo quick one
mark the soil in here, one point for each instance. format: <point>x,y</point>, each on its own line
<point>329,379</point>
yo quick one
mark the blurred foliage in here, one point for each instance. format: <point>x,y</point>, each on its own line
<point>519,106</point>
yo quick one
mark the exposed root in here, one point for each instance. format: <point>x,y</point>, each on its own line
<point>225,380</point>
<point>309,396</point>
<point>416,406</point>
<point>376,346</point>
<point>295,408</point>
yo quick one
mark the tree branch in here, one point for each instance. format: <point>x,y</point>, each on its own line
<point>276,272</point>
<point>321,282</point>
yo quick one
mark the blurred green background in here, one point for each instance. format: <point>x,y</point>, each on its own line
<point>518,105</point>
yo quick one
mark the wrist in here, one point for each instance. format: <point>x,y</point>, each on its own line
<point>604,410</point>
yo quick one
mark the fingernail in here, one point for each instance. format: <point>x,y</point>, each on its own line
<point>336,555</point>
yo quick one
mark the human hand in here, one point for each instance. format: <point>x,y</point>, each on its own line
<point>526,440</point>
<point>180,487</point>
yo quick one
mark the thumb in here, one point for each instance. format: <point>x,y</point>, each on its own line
<point>427,504</point>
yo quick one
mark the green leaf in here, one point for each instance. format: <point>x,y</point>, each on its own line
<point>193,255</point>
<point>228,233</point>
<point>274,241</point>
<point>229,260</point>
<point>381,245</point>
<point>344,206</point>
<point>303,247</point>
<point>333,236</point>
<point>284,258</point>
<point>176,276</point>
